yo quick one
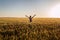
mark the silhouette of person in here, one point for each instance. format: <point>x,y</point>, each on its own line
<point>30,17</point>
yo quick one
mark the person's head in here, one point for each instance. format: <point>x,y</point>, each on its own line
<point>30,16</point>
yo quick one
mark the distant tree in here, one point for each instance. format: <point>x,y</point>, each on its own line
<point>30,17</point>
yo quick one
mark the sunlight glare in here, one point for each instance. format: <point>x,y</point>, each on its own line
<point>55,11</point>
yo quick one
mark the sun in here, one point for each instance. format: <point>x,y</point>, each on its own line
<point>55,11</point>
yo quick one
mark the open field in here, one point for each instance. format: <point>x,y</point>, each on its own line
<point>22,29</point>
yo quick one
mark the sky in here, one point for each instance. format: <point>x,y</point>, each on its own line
<point>20,8</point>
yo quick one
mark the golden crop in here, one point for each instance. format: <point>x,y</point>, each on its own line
<point>22,29</point>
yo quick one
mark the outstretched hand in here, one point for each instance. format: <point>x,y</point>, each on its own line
<point>34,15</point>
<point>26,15</point>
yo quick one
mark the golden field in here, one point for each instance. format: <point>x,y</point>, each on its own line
<point>22,29</point>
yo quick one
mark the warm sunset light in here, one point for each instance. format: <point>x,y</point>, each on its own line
<point>29,19</point>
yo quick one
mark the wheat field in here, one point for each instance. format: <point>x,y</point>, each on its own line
<point>22,29</point>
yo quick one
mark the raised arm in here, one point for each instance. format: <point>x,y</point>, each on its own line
<point>33,16</point>
<point>26,16</point>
